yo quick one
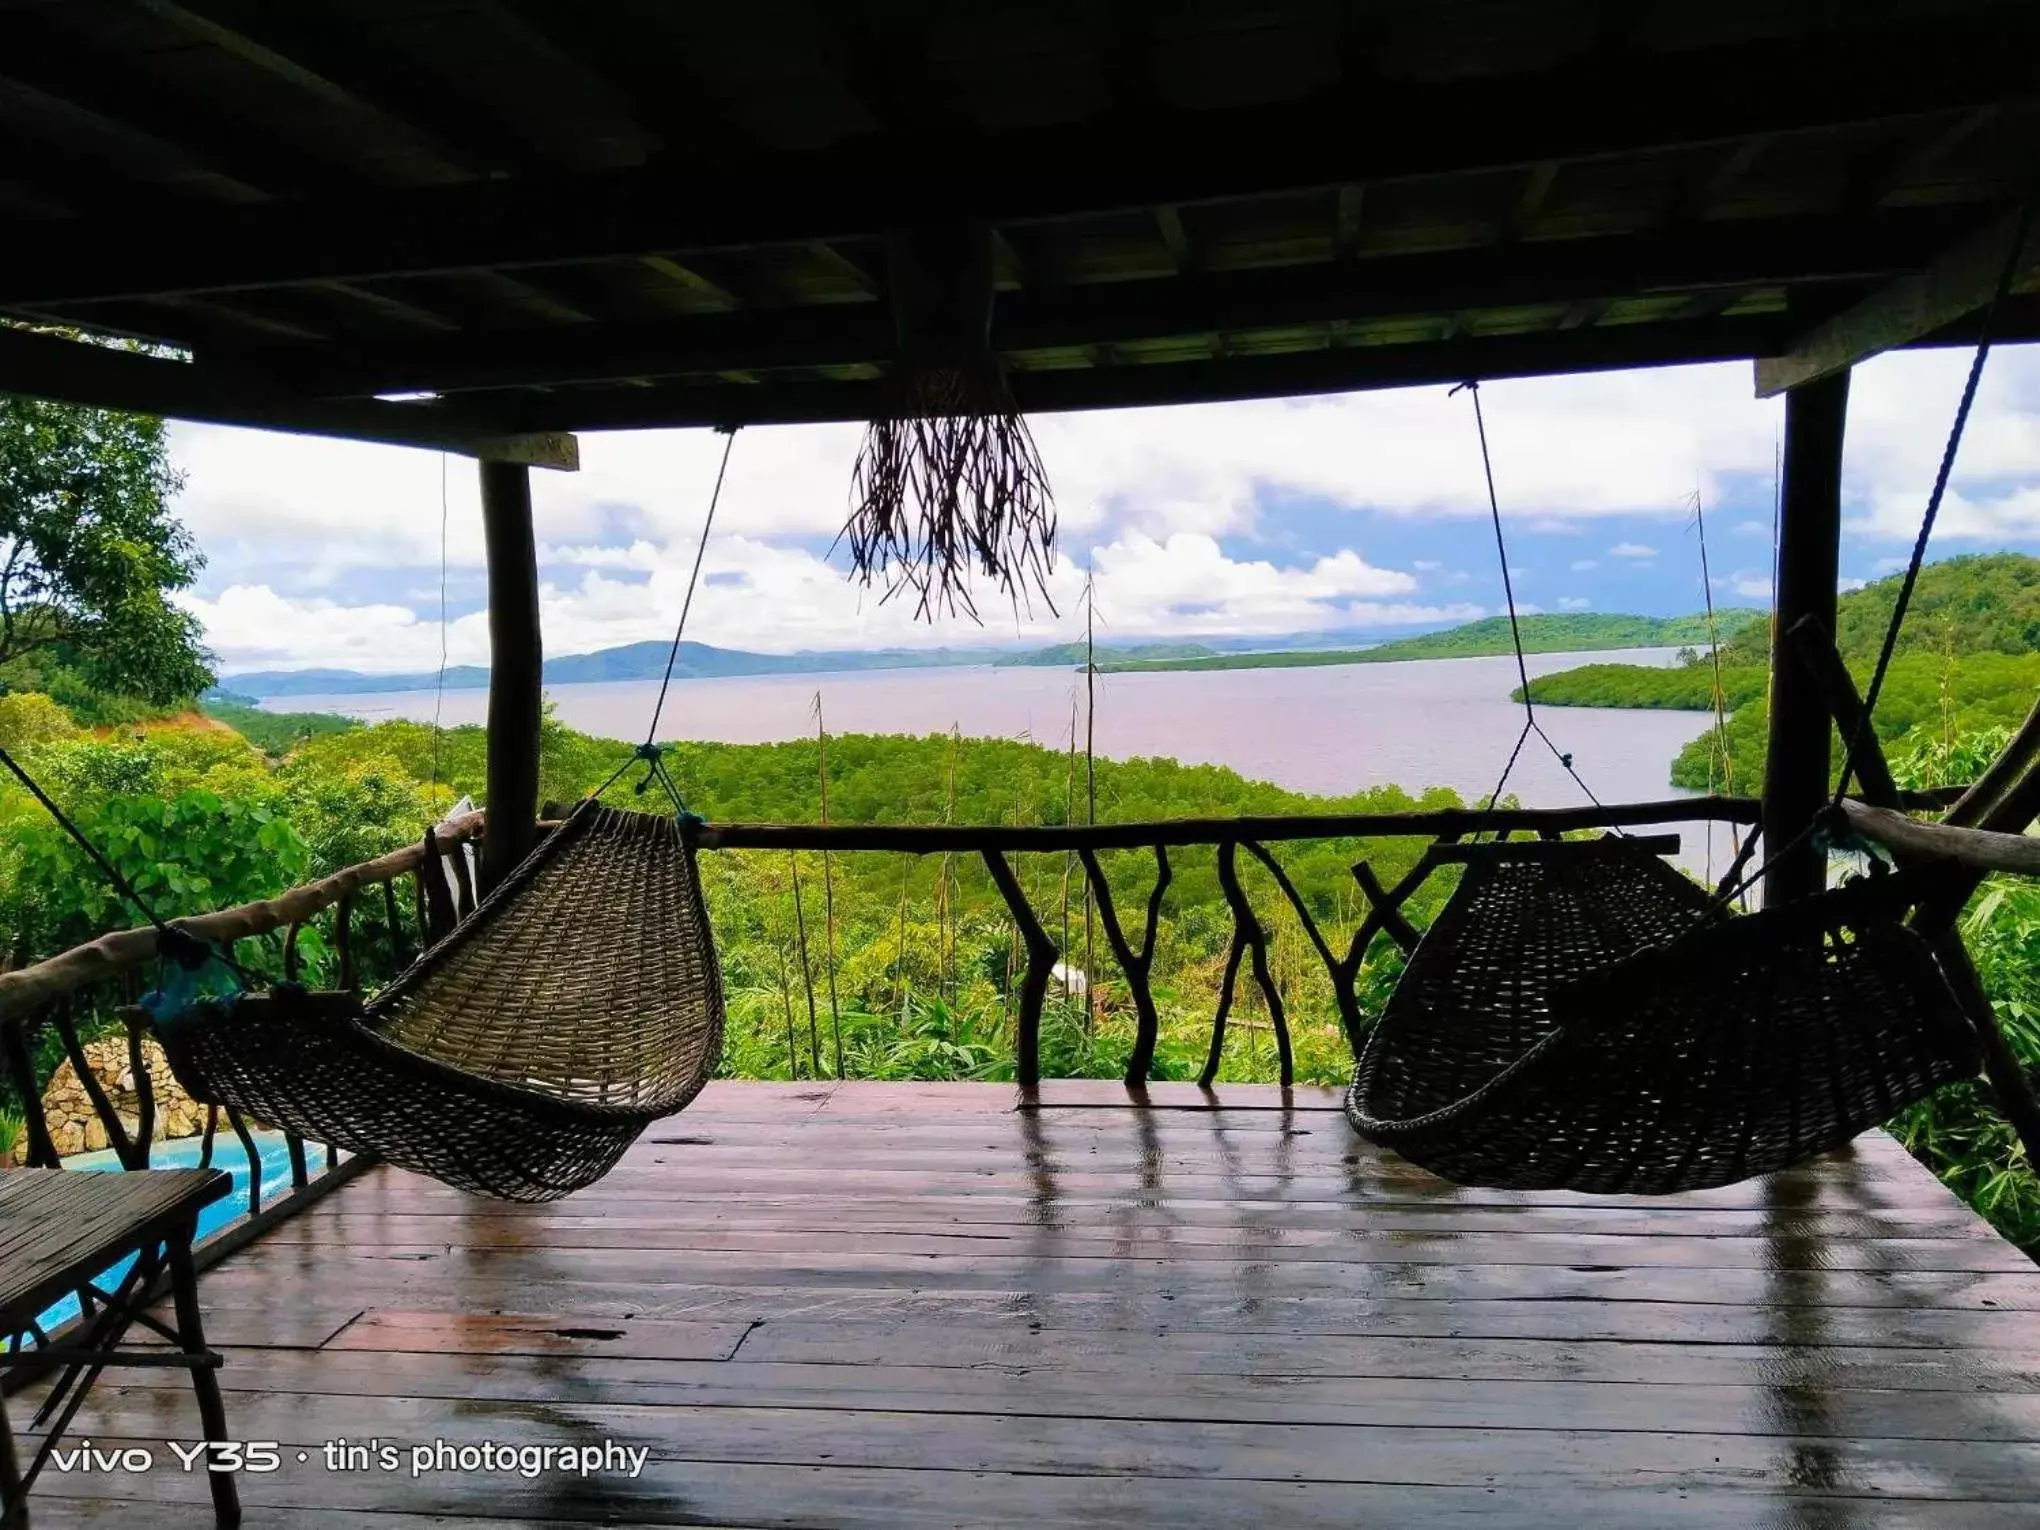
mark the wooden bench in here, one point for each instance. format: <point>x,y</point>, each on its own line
<point>59,1230</point>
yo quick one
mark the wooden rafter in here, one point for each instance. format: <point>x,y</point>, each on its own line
<point>180,125</point>
<point>330,60</point>
<point>46,366</point>
<point>1879,72</point>
<point>1703,261</point>
<point>1952,287</point>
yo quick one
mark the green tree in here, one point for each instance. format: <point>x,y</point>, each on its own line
<point>89,552</point>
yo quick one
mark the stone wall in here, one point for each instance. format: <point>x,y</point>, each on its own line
<point>75,1126</point>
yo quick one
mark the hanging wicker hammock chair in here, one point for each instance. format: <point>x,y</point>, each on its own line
<point>520,1055</point>
<point>1572,1020</point>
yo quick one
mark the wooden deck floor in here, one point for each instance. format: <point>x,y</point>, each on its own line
<point>915,1306</point>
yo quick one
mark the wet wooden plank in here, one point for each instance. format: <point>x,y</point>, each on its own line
<point>646,1372</point>
<point>1195,1450</point>
<point>802,1496</point>
<point>496,1275</point>
<point>918,1306</point>
<point>1250,1245</point>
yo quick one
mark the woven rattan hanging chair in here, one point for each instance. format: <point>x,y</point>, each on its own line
<point>522,1053</point>
<point>1573,1020</point>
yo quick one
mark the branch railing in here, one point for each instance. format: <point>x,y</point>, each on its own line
<point>1249,948</point>
<point>51,998</point>
<point>56,999</point>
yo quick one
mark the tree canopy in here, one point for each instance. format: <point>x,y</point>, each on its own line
<point>89,554</point>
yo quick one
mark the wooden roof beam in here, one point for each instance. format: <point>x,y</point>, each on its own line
<point>1175,238</point>
<point>655,88</point>
<point>130,103</point>
<point>1667,100</point>
<point>98,376</point>
<point>1104,386</point>
<point>1911,308</point>
<point>330,59</point>
<point>1730,257</point>
<point>683,275</point>
<point>1348,208</point>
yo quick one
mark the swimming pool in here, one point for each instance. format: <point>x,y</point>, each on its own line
<point>274,1162</point>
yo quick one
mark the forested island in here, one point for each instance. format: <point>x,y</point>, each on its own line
<point>912,962</point>
<point>1564,632</point>
<point>1967,667</point>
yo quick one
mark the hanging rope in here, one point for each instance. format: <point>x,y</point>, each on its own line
<point>180,946</point>
<point>650,751</point>
<point>1530,723</point>
<point>1919,553</point>
<point>1831,826</point>
<point>439,690</point>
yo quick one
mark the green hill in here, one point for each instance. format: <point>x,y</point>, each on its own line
<point>1569,632</point>
<point>1968,658</point>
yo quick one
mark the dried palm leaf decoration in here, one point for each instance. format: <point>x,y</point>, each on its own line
<point>948,478</point>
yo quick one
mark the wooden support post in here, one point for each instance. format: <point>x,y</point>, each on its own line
<point>1809,547</point>
<point>516,656</point>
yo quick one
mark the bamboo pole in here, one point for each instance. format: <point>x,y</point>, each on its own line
<point>828,890</point>
<point>807,975</point>
<point>1069,856</point>
<point>1090,788</point>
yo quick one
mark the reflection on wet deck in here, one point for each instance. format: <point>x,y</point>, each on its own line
<point>916,1305</point>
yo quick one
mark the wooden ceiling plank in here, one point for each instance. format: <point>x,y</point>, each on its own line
<point>1348,210</point>
<point>866,282</point>
<point>1717,258</point>
<point>1104,386</point>
<point>1955,285</point>
<point>124,97</point>
<point>400,310</point>
<point>1728,170</point>
<point>1537,184</point>
<point>655,88</point>
<point>687,276</point>
<point>291,42</point>
<point>1175,238</point>
<point>1660,101</point>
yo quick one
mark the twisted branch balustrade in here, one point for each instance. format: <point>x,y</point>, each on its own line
<point>106,972</point>
<point>99,977</point>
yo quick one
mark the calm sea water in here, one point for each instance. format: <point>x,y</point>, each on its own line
<point>1438,722</point>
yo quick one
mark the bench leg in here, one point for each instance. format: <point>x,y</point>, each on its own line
<point>13,1495</point>
<point>212,1410</point>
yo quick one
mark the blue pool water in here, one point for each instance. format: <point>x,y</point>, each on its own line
<point>274,1164</point>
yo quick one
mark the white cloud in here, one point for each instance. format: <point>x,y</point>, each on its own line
<point>1583,565</point>
<point>1145,588</point>
<point>1751,583</point>
<point>1573,603</point>
<point>1844,586</point>
<point>308,521</point>
<point>253,627</point>
<point>1900,408</point>
<point>1427,565</point>
<point>1631,550</point>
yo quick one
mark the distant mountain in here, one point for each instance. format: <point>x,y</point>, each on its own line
<point>647,661</point>
<point>1571,632</point>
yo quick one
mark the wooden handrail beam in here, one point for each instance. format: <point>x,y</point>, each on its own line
<point>23,992</point>
<point>1977,849</point>
<point>929,839</point>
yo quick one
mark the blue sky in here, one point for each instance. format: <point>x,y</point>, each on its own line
<point>1268,518</point>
